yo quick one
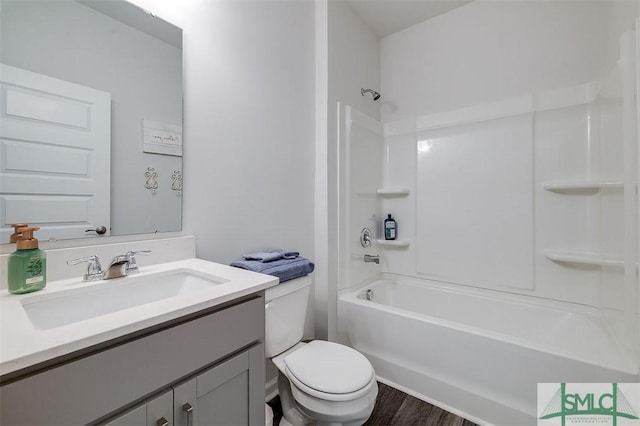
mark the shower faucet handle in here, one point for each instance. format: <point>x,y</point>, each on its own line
<point>365,237</point>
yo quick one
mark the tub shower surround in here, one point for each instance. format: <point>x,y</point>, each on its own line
<point>519,265</point>
<point>475,353</point>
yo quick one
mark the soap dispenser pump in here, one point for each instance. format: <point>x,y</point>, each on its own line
<point>16,233</point>
<point>27,265</point>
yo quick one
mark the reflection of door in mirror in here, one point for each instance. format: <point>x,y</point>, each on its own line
<point>55,137</point>
<point>115,47</point>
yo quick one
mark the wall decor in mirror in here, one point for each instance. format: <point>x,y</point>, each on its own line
<point>91,97</point>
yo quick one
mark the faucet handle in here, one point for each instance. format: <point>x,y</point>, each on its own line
<point>365,237</point>
<point>94,269</point>
<point>132,266</point>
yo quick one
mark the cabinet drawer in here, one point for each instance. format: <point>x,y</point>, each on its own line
<point>89,388</point>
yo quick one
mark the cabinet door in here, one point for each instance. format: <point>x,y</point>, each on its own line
<point>231,393</point>
<point>155,412</point>
<point>135,417</point>
<point>160,410</point>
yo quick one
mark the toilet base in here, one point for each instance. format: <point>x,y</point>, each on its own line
<point>268,415</point>
<point>290,411</point>
<point>296,415</point>
<point>285,422</point>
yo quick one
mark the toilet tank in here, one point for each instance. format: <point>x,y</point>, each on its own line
<point>285,313</point>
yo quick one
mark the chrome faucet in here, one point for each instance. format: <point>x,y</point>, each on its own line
<point>124,264</point>
<point>121,266</point>
<point>94,269</point>
<point>372,258</point>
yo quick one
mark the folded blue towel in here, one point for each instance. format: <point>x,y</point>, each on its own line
<point>271,255</point>
<point>285,269</point>
<point>263,256</point>
<point>290,255</point>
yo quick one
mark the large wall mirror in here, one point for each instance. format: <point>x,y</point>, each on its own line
<point>91,119</point>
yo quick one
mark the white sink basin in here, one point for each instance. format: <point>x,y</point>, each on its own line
<point>49,311</point>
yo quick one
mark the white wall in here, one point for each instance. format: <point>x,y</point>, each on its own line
<point>491,50</point>
<point>75,43</point>
<point>248,124</point>
<point>486,52</point>
<point>352,62</point>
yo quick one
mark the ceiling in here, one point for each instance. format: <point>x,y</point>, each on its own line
<point>386,17</point>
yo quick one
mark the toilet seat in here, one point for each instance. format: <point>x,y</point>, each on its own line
<point>329,371</point>
<point>338,397</point>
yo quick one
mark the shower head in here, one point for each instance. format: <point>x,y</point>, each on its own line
<point>375,94</point>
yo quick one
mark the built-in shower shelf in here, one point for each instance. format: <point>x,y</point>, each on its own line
<point>582,186</point>
<point>393,243</point>
<point>393,192</point>
<point>582,258</point>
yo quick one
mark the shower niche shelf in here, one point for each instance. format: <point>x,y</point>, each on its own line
<point>582,258</point>
<point>393,192</point>
<point>393,243</point>
<point>578,186</point>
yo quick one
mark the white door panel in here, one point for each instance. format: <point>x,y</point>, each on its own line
<point>55,144</point>
<point>51,109</point>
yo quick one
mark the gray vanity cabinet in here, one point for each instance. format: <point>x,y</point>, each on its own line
<point>158,411</point>
<point>219,396</point>
<point>212,360</point>
<point>222,395</point>
<point>135,417</point>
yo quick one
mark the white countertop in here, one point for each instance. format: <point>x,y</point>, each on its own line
<point>22,345</point>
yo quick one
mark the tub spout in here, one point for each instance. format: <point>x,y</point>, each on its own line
<point>372,258</point>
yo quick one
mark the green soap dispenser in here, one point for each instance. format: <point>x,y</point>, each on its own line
<point>27,265</point>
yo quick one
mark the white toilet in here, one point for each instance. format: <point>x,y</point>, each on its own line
<point>320,383</point>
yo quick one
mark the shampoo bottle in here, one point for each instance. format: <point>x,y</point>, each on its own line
<point>27,265</point>
<point>390,228</point>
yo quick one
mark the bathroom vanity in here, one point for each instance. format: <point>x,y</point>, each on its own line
<point>195,357</point>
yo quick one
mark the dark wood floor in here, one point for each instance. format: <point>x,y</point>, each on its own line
<point>395,408</point>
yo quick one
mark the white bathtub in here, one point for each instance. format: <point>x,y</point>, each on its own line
<point>478,354</point>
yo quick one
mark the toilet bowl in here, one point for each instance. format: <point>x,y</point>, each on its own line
<point>319,382</point>
<point>329,383</point>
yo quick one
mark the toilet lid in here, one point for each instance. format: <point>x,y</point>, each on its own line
<point>330,367</point>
